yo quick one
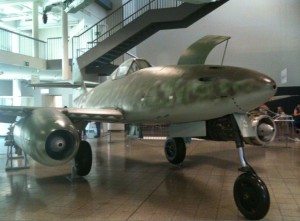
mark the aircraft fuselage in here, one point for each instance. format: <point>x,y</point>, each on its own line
<point>183,93</point>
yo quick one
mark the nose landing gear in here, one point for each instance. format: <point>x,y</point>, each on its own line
<point>251,195</point>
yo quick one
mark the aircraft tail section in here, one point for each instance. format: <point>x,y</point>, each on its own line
<point>199,50</point>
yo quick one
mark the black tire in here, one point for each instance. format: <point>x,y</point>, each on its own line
<point>83,159</point>
<point>175,150</point>
<point>251,196</point>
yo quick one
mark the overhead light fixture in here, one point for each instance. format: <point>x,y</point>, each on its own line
<point>45,18</point>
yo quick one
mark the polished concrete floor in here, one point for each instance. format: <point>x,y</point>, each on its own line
<point>131,180</point>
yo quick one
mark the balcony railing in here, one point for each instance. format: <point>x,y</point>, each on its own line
<point>52,49</point>
<point>115,21</point>
<point>22,44</point>
<point>55,48</point>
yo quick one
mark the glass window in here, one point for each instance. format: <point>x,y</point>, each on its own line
<point>129,66</point>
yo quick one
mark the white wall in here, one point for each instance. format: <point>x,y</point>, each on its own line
<point>265,37</point>
<point>21,60</point>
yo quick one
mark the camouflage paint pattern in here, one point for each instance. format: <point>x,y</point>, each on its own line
<point>182,93</point>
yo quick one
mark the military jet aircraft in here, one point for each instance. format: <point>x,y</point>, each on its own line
<point>193,99</point>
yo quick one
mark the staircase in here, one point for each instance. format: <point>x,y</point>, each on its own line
<point>129,25</point>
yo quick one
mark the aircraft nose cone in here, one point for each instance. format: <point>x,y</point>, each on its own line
<point>269,82</point>
<point>268,87</point>
<point>255,90</point>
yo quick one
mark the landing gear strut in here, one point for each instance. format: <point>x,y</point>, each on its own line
<point>251,195</point>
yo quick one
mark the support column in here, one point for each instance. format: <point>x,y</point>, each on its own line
<point>35,28</point>
<point>65,58</point>
<point>16,92</point>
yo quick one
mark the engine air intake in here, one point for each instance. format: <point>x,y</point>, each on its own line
<point>60,144</point>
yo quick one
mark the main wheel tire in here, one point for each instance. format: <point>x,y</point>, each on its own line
<point>175,150</point>
<point>83,159</point>
<point>251,196</point>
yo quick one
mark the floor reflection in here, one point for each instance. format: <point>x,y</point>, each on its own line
<point>131,180</point>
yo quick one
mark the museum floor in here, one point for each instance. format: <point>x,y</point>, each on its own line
<point>131,180</point>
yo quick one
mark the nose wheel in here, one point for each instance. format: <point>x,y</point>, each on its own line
<point>251,195</point>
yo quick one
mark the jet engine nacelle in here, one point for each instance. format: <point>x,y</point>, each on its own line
<point>48,136</point>
<point>265,130</point>
<point>263,125</point>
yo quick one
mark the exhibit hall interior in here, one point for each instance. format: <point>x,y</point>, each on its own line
<point>149,110</point>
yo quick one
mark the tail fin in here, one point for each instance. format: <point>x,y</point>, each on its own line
<point>198,51</point>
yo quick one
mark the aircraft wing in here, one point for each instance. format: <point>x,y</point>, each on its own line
<point>63,84</point>
<point>198,51</point>
<point>8,114</point>
<point>279,97</point>
<point>105,115</point>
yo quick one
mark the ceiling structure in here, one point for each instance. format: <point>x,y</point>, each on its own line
<point>16,15</point>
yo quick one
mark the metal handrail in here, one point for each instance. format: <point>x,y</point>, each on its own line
<point>121,17</point>
<point>21,35</point>
<point>124,20</point>
<point>116,20</point>
<point>54,48</point>
<point>18,43</point>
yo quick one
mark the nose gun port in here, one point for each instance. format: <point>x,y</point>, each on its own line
<point>269,81</point>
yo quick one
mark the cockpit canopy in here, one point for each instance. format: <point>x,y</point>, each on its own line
<point>129,66</point>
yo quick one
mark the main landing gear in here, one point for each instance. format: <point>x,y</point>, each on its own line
<point>175,150</point>
<point>251,195</point>
<point>82,163</point>
<point>83,159</point>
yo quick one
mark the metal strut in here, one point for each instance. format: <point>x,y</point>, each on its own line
<point>16,157</point>
<point>73,175</point>
<point>240,147</point>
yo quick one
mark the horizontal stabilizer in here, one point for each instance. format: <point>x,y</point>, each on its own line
<point>198,51</point>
